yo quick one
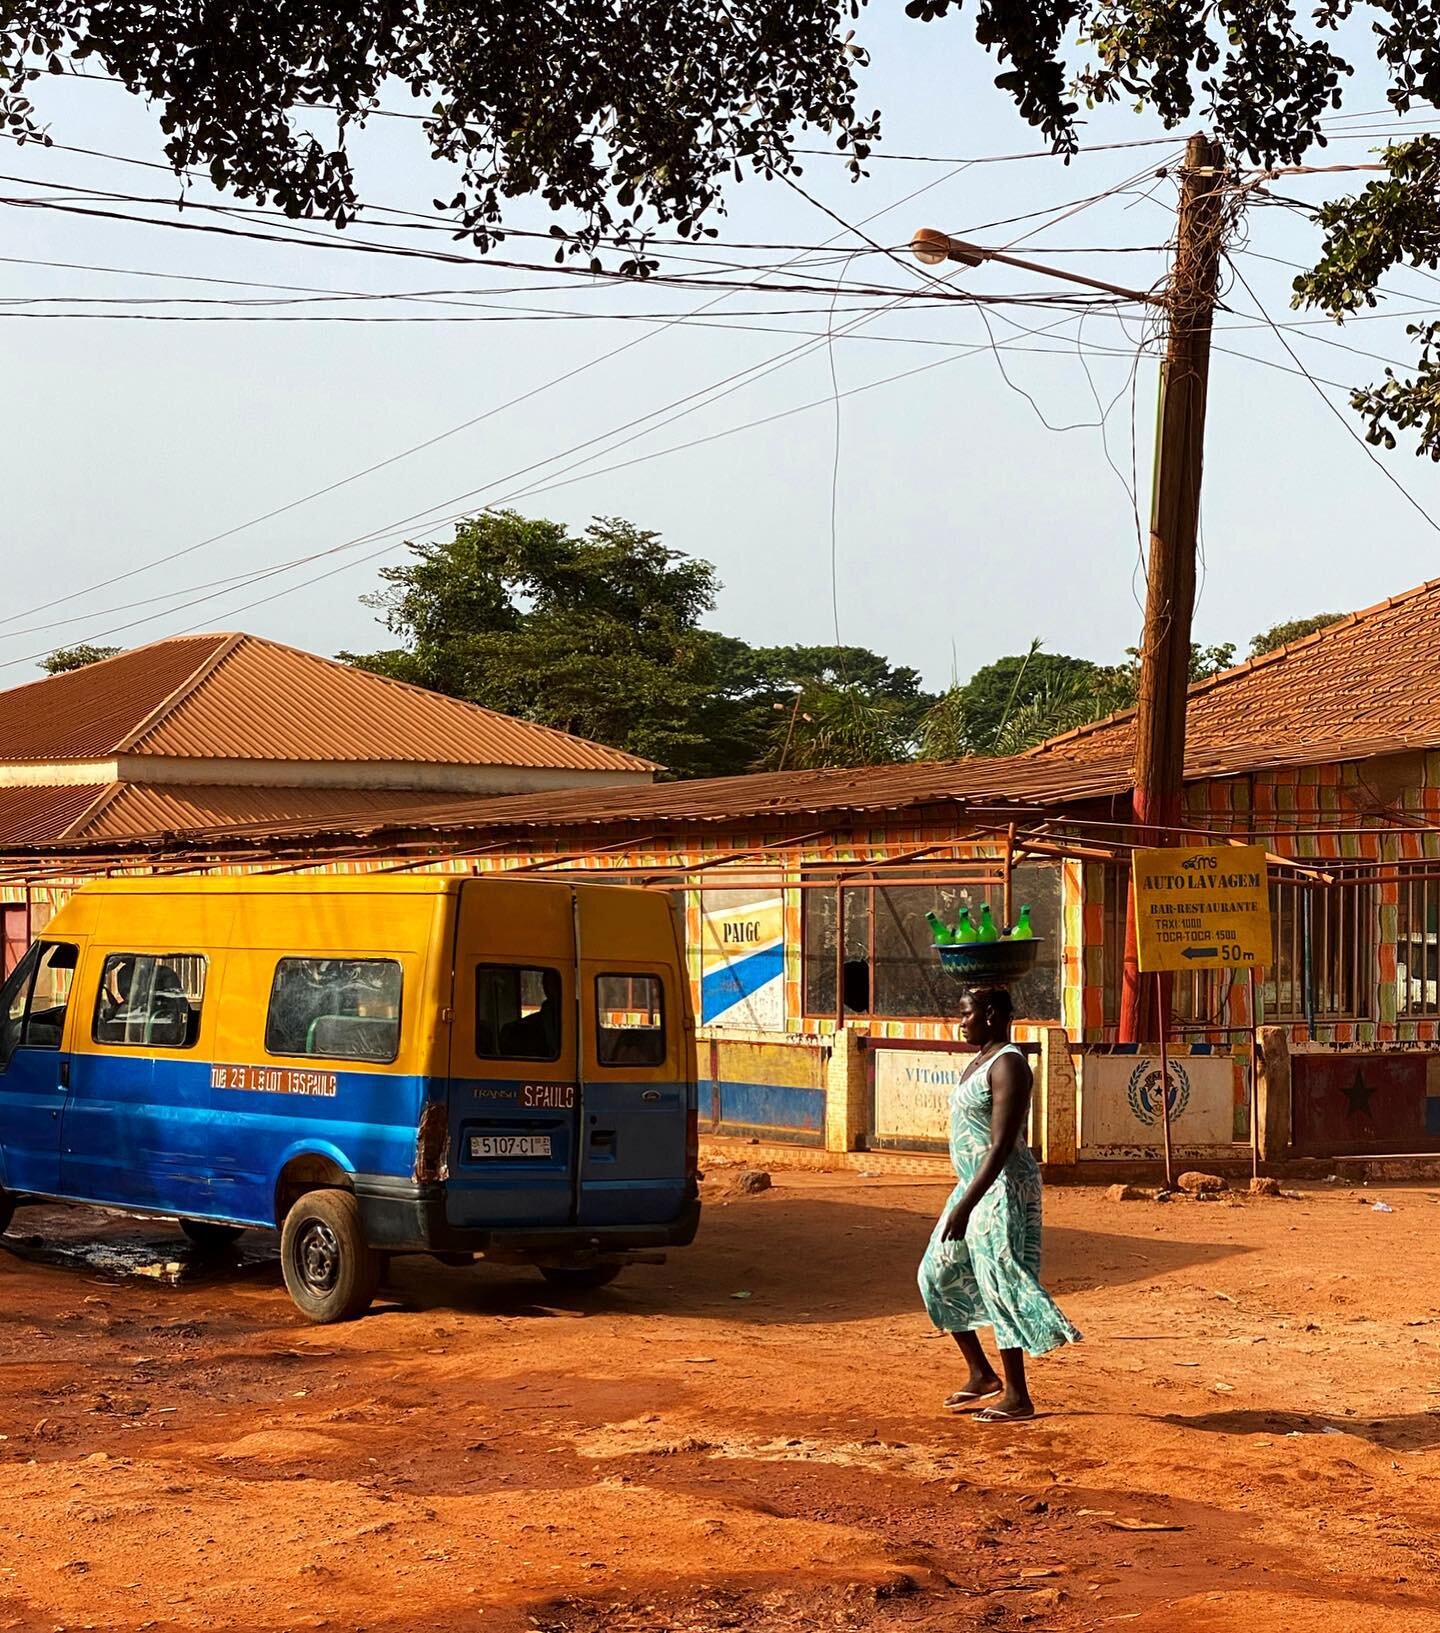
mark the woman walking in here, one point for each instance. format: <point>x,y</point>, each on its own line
<point>982,1266</point>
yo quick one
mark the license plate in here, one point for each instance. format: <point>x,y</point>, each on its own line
<point>509,1145</point>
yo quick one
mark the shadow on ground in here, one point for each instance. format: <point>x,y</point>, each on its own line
<point>741,1268</point>
<point>1404,1432</point>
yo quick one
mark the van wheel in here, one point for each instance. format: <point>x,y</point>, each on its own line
<point>7,1210</point>
<point>576,1278</point>
<point>331,1271</point>
<point>210,1238</point>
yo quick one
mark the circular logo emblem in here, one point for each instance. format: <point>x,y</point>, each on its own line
<point>1144,1092</point>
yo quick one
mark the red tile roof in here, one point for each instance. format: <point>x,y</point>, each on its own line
<point>1373,676</point>
<point>240,697</point>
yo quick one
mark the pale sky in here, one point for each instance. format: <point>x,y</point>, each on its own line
<point>963,526</point>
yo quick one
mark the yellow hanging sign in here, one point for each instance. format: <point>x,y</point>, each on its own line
<point>1202,909</point>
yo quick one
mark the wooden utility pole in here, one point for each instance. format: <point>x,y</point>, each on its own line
<point>1159,767</point>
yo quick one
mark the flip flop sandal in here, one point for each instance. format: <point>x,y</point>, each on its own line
<point>967,1397</point>
<point>993,1414</point>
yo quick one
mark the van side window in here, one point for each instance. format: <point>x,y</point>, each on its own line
<point>630,1020</point>
<point>341,1008</point>
<point>517,1012</point>
<point>34,998</point>
<point>150,999</point>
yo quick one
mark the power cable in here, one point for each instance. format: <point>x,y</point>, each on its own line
<point>1350,430</point>
<point>429,442</point>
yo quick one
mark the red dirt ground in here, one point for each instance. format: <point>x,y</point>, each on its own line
<point>1258,1375</point>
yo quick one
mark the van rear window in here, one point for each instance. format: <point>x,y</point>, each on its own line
<point>517,1012</point>
<point>630,1016</point>
<point>338,1008</point>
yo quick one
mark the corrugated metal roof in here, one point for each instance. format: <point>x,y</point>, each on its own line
<point>240,697</point>
<point>762,797</point>
<point>94,711</point>
<point>139,810</point>
<point>269,702</point>
<point>38,816</point>
<point>1373,676</point>
<point>794,798</point>
<point>779,801</point>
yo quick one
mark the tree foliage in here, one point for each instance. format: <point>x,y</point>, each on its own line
<point>623,114</point>
<point>596,634</point>
<point>1293,629</point>
<point>1393,222</point>
<point>65,658</point>
<point>599,634</point>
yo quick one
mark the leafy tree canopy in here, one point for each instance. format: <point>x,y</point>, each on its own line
<point>619,113</point>
<point>65,658</point>
<point>1295,629</point>
<point>993,693</point>
<point>599,634</point>
<point>622,116</point>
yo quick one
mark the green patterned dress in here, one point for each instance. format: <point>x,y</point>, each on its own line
<point>992,1278</point>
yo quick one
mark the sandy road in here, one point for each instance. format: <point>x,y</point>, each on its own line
<point>1264,1377</point>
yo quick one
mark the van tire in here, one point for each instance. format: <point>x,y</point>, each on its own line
<point>210,1237</point>
<point>7,1210</point>
<point>580,1278</point>
<point>331,1271</point>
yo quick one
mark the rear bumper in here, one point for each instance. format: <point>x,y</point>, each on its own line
<point>408,1216</point>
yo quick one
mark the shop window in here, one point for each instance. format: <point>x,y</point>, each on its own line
<point>1417,950</point>
<point>1322,966</point>
<point>886,964</point>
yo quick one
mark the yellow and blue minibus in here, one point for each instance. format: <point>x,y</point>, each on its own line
<point>371,1065</point>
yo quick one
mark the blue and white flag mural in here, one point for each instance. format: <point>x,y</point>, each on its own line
<point>742,960</point>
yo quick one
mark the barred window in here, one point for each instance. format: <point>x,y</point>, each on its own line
<point>1417,950</point>
<point>1322,967</point>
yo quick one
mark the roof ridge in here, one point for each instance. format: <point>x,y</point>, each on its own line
<point>1211,682</point>
<point>225,645</point>
<point>432,695</point>
<point>82,820</point>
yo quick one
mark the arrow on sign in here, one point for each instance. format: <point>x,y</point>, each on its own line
<point>1201,952</point>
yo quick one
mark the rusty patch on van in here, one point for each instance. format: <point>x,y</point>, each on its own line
<point>432,1143</point>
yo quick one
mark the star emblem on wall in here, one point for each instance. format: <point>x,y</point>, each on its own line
<point>1358,1095</point>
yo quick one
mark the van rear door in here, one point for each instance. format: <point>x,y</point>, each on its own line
<point>514,1087</point>
<point>633,1158</point>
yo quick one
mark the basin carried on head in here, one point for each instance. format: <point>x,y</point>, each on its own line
<point>981,963</point>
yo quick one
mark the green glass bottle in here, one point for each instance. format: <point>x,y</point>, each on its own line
<point>965,931</point>
<point>987,930</point>
<point>941,932</point>
<point>1024,930</point>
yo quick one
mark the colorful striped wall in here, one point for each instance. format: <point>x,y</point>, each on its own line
<point>1372,810</point>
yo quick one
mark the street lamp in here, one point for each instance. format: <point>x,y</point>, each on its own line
<point>932,246</point>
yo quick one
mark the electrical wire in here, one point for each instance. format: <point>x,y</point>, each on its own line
<point>1350,430</point>
<point>561,379</point>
